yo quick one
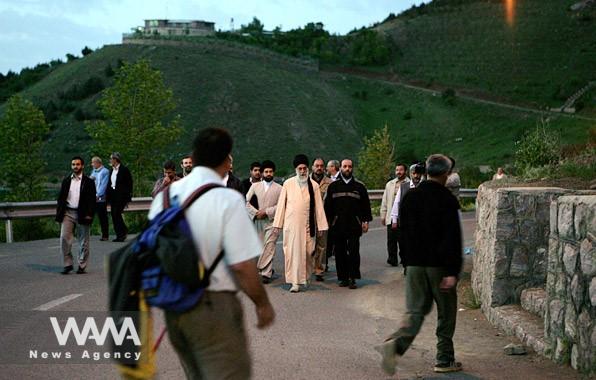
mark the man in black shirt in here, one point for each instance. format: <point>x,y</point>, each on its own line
<point>347,207</point>
<point>431,246</point>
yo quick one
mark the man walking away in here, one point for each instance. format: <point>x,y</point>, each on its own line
<point>392,190</point>
<point>433,265</point>
<point>119,194</point>
<point>76,204</point>
<point>348,212</point>
<point>101,176</point>
<point>209,339</point>
<point>267,194</point>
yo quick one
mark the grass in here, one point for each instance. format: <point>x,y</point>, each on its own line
<point>543,57</point>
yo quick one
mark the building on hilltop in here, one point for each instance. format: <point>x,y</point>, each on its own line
<point>176,28</point>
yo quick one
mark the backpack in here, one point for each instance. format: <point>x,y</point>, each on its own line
<point>173,277</point>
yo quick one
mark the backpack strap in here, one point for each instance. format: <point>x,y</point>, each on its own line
<point>197,193</point>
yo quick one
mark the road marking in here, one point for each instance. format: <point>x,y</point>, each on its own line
<point>56,302</point>
<point>57,246</point>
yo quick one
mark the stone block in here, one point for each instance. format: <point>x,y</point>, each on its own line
<point>556,313</point>
<point>502,292</point>
<point>593,292</point>
<point>539,267</point>
<point>570,253</point>
<point>585,213</point>
<point>531,233</point>
<point>503,200</point>
<point>574,357</point>
<point>587,253</point>
<point>506,228</point>
<point>554,249</point>
<point>525,204</point>
<point>565,221</point>
<point>554,212</point>
<point>520,262</point>
<point>562,351</point>
<point>570,322</point>
<point>501,261</point>
<point>561,285</point>
<point>584,332</point>
<point>577,292</point>
<point>534,301</point>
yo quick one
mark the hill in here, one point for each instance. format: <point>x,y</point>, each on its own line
<point>539,55</point>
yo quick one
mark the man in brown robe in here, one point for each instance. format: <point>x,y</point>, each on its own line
<point>318,175</point>
<point>300,213</point>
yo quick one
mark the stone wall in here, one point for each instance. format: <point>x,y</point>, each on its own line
<point>512,237</point>
<point>570,318</point>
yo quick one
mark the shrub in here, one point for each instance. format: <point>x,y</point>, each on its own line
<point>449,96</point>
<point>537,148</point>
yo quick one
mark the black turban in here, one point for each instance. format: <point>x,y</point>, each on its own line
<point>300,159</point>
<point>267,164</point>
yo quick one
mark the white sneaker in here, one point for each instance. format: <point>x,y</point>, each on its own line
<point>387,351</point>
<point>295,288</point>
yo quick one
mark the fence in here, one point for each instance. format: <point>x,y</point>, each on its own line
<point>24,210</point>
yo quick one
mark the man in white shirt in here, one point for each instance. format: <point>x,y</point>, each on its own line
<point>210,339</point>
<point>333,169</point>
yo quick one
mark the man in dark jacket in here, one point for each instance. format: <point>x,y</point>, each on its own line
<point>76,204</point>
<point>347,207</point>
<point>119,194</point>
<point>255,176</point>
<point>431,244</point>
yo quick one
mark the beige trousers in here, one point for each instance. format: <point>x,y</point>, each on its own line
<point>320,254</point>
<point>67,231</point>
<point>265,232</point>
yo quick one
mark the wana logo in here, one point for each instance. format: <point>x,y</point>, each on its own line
<point>90,331</point>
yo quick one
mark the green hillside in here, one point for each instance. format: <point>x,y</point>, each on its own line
<point>546,54</point>
<point>275,109</point>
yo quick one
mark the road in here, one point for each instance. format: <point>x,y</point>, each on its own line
<point>325,332</point>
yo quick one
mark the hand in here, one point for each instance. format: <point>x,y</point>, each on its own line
<point>276,231</point>
<point>447,283</point>
<point>394,226</point>
<point>364,227</point>
<point>265,315</point>
<point>166,181</point>
<point>261,214</point>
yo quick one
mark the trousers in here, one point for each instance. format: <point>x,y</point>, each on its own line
<point>68,227</point>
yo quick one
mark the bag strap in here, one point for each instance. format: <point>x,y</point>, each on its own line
<point>191,198</point>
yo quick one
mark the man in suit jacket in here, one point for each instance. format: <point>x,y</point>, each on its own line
<point>255,176</point>
<point>230,180</point>
<point>267,194</point>
<point>119,194</point>
<point>391,190</point>
<point>76,205</point>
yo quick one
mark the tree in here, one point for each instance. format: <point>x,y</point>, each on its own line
<point>255,27</point>
<point>376,159</point>
<point>86,51</point>
<point>136,108</point>
<point>22,128</point>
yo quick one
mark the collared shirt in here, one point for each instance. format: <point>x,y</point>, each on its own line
<point>114,175</point>
<point>267,185</point>
<point>225,179</point>
<point>100,176</point>
<point>218,220</point>
<point>74,193</point>
<point>334,177</point>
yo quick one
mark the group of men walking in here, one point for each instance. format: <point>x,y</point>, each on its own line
<point>317,214</point>
<point>320,212</point>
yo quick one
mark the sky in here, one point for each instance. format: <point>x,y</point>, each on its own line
<point>37,31</point>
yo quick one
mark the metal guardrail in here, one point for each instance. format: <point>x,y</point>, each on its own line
<point>25,210</point>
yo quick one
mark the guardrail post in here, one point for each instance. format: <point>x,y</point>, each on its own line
<point>8,231</point>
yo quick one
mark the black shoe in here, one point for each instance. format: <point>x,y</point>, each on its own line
<point>318,277</point>
<point>344,283</point>
<point>81,271</point>
<point>67,269</point>
<point>104,238</point>
<point>393,263</point>
<point>266,280</point>
<point>448,367</point>
<point>352,284</point>
<point>120,239</point>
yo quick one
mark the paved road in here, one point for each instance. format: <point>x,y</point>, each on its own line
<point>326,332</point>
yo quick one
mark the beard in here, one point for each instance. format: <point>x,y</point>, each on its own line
<point>346,175</point>
<point>187,170</point>
<point>302,178</point>
<point>268,179</point>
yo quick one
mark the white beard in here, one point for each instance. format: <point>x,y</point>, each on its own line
<point>302,179</point>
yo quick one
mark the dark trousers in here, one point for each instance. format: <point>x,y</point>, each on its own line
<point>392,245</point>
<point>101,209</point>
<point>117,220</point>
<point>347,257</point>
<point>422,288</point>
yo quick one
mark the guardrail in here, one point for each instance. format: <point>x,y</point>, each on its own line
<point>25,210</point>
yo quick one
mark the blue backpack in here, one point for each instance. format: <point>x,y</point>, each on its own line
<point>172,276</point>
